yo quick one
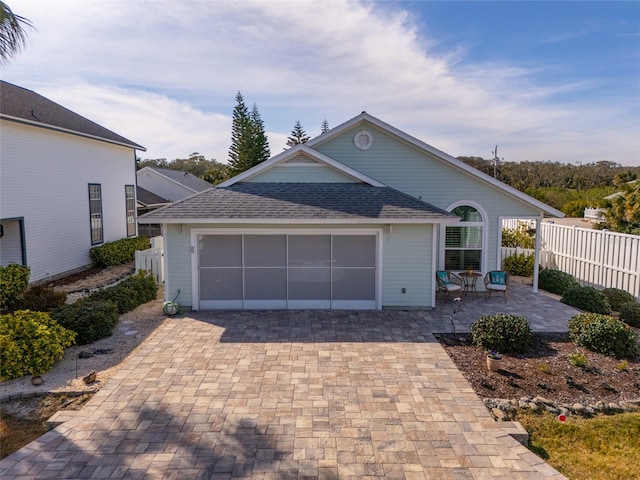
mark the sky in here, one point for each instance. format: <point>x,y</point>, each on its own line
<point>542,80</point>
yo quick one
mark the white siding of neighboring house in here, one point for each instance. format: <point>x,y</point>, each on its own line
<point>406,260</point>
<point>44,177</point>
<point>162,186</point>
<point>410,170</point>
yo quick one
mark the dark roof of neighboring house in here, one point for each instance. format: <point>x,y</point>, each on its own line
<point>187,179</point>
<point>298,201</point>
<point>147,198</point>
<point>25,106</point>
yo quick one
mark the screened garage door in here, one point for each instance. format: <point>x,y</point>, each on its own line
<point>327,271</point>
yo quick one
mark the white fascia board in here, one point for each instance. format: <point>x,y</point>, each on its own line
<point>365,117</point>
<point>47,126</point>
<point>305,221</point>
<point>292,152</point>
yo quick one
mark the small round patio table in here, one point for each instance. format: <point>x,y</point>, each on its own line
<point>469,280</point>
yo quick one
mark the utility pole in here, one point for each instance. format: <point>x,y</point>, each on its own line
<point>495,161</point>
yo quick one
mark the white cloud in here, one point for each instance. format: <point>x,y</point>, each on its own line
<point>165,74</point>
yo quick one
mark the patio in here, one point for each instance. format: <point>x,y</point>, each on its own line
<point>299,394</point>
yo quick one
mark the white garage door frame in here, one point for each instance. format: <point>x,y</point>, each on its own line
<point>285,304</point>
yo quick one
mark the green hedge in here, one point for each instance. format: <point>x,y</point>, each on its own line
<point>30,343</point>
<point>118,252</point>
<point>130,293</point>
<point>603,334</point>
<point>502,332</point>
<point>617,298</point>
<point>556,281</point>
<point>519,264</point>
<point>42,298</point>
<point>91,320</point>
<point>588,299</point>
<point>14,280</point>
<point>630,314</point>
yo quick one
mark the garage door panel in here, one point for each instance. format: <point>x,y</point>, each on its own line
<point>265,250</point>
<point>354,284</point>
<point>309,283</point>
<point>354,251</point>
<point>265,283</point>
<point>221,284</point>
<point>220,250</point>
<point>309,250</point>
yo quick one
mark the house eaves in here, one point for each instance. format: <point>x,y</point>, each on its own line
<point>364,117</point>
<point>24,106</point>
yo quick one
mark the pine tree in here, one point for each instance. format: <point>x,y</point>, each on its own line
<point>249,143</point>
<point>259,142</point>
<point>324,128</point>
<point>298,135</point>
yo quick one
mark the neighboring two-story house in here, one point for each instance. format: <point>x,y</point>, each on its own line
<point>66,184</point>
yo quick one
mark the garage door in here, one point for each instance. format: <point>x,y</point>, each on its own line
<point>283,271</point>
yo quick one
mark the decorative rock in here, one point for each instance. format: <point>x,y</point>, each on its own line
<point>500,415</point>
<point>85,354</point>
<point>578,408</point>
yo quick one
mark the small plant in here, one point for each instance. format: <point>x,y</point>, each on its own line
<point>588,299</point>
<point>603,334</point>
<point>577,359</point>
<point>14,280</point>
<point>544,367</point>
<point>130,293</point>
<point>494,355</point>
<point>30,343</point>
<point>617,298</point>
<point>504,333</point>
<point>630,314</point>
<point>519,264</point>
<point>622,366</point>
<point>41,298</point>
<point>555,281</point>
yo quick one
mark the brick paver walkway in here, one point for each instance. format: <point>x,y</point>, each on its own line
<point>277,395</point>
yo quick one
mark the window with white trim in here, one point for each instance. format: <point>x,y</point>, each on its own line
<point>95,213</point>
<point>130,201</point>
<point>463,242</point>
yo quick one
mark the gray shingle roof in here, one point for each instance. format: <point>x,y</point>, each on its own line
<point>298,201</point>
<point>187,179</point>
<point>146,198</point>
<point>20,103</point>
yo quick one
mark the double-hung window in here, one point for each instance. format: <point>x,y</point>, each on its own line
<point>463,242</point>
<point>130,201</point>
<point>95,213</point>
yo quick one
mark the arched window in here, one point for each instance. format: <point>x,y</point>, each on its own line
<point>464,242</point>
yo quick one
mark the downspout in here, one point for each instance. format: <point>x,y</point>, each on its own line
<point>536,257</point>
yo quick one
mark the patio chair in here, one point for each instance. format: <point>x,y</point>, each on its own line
<point>448,282</point>
<point>496,281</point>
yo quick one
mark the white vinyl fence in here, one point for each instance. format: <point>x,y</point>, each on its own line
<point>151,260</point>
<point>597,258</point>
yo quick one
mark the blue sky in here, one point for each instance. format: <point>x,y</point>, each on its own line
<point>547,80</point>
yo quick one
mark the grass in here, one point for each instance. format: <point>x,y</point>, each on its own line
<point>599,448</point>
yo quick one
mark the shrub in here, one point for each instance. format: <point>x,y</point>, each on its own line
<point>502,332</point>
<point>519,264</point>
<point>555,281</point>
<point>30,343</point>
<point>603,334</point>
<point>130,293</point>
<point>14,280</point>
<point>118,252</point>
<point>617,298</point>
<point>577,359</point>
<point>90,319</point>
<point>588,299</point>
<point>630,314</point>
<point>40,298</point>
<point>522,237</point>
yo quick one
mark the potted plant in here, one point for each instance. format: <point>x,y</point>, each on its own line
<point>494,361</point>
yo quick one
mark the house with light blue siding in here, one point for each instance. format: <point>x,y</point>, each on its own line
<point>360,217</point>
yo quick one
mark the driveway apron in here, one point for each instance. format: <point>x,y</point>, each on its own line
<point>277,395</point>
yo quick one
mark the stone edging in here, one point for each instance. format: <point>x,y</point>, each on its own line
<point>504,409</point>
<point>29,395</point>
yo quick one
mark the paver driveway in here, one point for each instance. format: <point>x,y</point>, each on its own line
<point>278,395</point>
